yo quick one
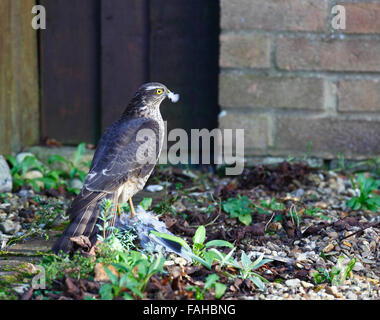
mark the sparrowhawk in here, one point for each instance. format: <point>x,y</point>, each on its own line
<point>116,173</point>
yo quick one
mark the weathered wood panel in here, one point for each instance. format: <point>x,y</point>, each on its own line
<point>69,51</point>
<point>124,49</point>
<point>19,93</point>
<point>95,54</point>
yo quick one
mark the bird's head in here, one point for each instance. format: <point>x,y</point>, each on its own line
<point>149,97</point>
<point>155,93</point>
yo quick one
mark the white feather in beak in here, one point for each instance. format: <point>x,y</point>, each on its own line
<point>174,97</point>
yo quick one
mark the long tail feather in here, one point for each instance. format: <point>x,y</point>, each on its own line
<point>84,213</point>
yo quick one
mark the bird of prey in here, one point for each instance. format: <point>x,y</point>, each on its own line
<point>122,163</point>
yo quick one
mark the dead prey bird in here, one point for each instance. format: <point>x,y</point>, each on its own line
<point>123,161</point>
<point>142,223</point>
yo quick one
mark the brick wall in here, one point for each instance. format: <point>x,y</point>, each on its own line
<point>292,81</point>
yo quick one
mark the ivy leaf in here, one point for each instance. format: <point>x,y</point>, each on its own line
<point>106,291</point>
<point>146,203</point>
<point>220,289</point>
<point>246,219</point>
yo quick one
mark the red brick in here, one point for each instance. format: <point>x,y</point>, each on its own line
<point>256,128</point>
<point>359,95</point>
<point>245,50</point>
<point>329,136</point>
<point>292,15</point>
<point>362,17</point>
<point>247,90</point>
<point>336,55</point>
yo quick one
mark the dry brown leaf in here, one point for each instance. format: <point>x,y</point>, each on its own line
<point>100,273</point>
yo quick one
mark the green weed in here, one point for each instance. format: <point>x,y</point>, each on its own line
<point>367,199</point>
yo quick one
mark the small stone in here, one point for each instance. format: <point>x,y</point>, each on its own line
<point>22,155</point>
<point>34,174</point>
<point>6,182</point>
<point>76,184</point>
<point>346,243</point>
<point>351,296</point>
<point>358,266</point>
<point>293,283</point>
<point>333,235</point>
<point>302,257</point>
<point>181,261</point>
<point>154,188</point>
<point>299,193</point>
<point>9,227</point>
<point>20,289</point>
<point>26,193</point>
<point>5,206</point>
<point>334,291</point>
<point>169,263</point>
<point>328,248</point>
<point>322,205</point>
<point>368,261</point>
<point>307,285</point>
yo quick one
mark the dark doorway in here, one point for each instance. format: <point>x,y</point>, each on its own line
<point>94,54</point>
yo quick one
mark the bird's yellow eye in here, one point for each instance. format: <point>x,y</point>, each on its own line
<point>159,91</point>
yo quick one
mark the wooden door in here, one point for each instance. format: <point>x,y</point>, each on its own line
<point>94,54</point>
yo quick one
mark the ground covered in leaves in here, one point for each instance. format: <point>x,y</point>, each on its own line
<point>295,233</point>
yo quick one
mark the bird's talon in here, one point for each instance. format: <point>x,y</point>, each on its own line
<point>133,212</point>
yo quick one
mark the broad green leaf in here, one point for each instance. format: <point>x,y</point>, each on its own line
<point>34,184</point>
<point>157,264</point>
<point>200,260</point>
<point>166,236</point>
<point>57,158</point>
<point>12,160</point>
<point>261,263</point>
<point>106,291</point>
<point>49,183</point>
<point>114,279</point>
<point>220,289</point>
<point>28,163</point>
<point>219,243</point>
<point>349,268</point>
<point>225,258</point>
<point>127,296</point>
<point>146,203</point>
<point>245,261</point>
<point>200,235</point>
<point>258,283</point>
<point>210,280</point>
<point>246,219</point>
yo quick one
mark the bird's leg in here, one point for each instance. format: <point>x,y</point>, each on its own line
<point>118,210</point>
<point>133,212</point>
